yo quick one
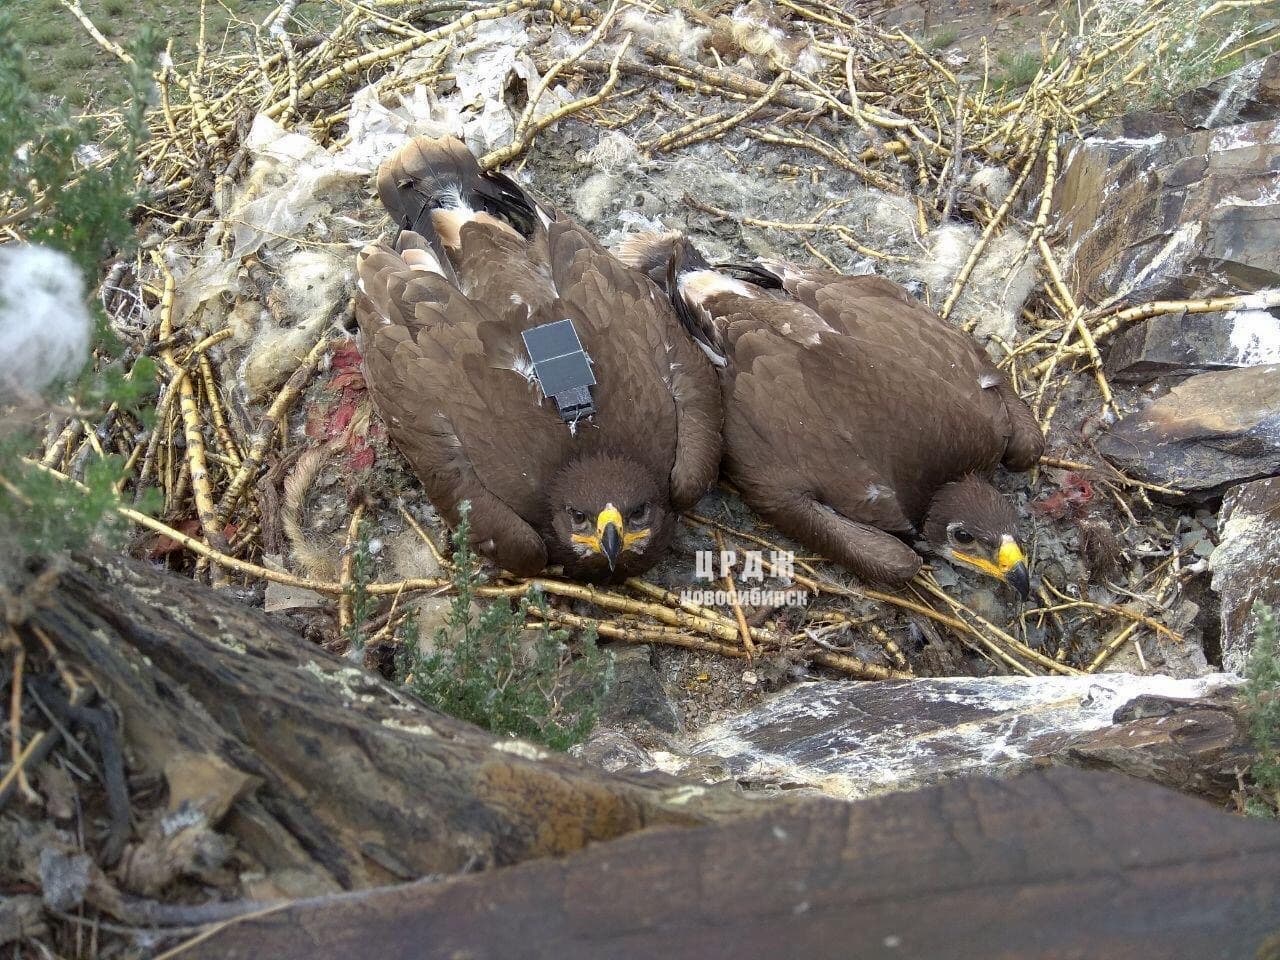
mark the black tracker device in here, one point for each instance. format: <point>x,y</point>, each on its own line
<point>562,368</point>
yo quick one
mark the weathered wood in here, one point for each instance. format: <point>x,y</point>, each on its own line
<point>355,783</point>
<point>1054,864</point>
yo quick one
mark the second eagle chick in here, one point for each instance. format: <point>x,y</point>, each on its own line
<point>855,418</point>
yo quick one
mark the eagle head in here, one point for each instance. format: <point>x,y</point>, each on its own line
<point>608,517</point>
<point>971,523</point>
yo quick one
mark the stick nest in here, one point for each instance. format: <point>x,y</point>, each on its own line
<point>795,128</point>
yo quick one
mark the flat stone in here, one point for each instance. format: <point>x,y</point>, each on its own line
<point>1208,433</point>
<point>637,692</point>
<point>613,752</point>
<point>1172,217</point>
<point>854,740</point>
<point>1246,563</point>
<point>1054,864</point>
<point>1196,746</point>
<point>1183,344</point>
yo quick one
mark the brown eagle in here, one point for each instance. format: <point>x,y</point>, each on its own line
<point>593,486</point>
<point>855,418</point>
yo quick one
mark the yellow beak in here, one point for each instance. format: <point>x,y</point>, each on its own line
<point>611,536</point>
<point>1010,565</point>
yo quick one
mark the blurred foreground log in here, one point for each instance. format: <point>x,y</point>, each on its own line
<point>1054,864</point>
<point>326,777</point>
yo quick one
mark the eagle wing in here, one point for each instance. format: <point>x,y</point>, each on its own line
<point>872,307</point>
<point>656,393</point>
<point>465,417</point>
<point>958,411</point>
<point>799,465</point>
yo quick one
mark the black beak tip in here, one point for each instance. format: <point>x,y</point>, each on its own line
<point>1020,579</point>
<point>611,544</point>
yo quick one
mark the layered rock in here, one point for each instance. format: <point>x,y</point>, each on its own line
<point>1246,563</point>
<point>854,740</point>
<point>1209,433</point>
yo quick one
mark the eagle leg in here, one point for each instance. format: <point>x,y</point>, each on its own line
<point>698,443</point>
<point>500,534</point>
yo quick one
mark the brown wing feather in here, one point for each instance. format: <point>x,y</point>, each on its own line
<point>472,421</point>
<point>655,388</point>
<point>984,420</point>
<point>788,418</point>
<point>879,310</point>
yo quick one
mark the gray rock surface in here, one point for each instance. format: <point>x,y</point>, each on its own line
<point>854,740</point>
<point>1055,864</point>
<point>1196,746</point>
<point>1209,433</point>
<point>614,752</point>
<point>1246,563</point>
<point>1244,95</point>
<point>1179,217</point>
<point>637,693</point>
<point>1180,203</point>
<point>1179,344</point>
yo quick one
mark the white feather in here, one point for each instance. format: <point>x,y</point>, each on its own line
<point>424,260</point>
<point>714,357</point>
<point>451,198</point>
<point>45,327</point>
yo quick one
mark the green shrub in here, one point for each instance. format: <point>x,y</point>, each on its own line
<point>478,670</point>
<point>943,39</point>
<point>1018,71</point>
<point>52,197</point>
<point>1262,695</point>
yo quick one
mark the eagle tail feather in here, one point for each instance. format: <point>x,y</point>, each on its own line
<point>665,257</point>
<point>649,252</point>
<point>429,174</point>
<point>685,260</point>
<point>761,273</point>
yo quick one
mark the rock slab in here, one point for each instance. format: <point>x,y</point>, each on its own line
<point>1180,203</point>
<point>1181,344</point>
<point>1210,432</point>
<point>1246,563</point>
<point>1175,218</point>
<point>854,740</point>
<point>1056,864</point>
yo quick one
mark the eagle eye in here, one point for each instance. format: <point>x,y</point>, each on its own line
<point>962,535</point>
<point>639,514</point>
<point>577,516</point>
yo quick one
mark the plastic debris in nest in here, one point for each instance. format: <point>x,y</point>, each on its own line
<point>295,185</point>
<point>627,192</point>
<point>477,110</point>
